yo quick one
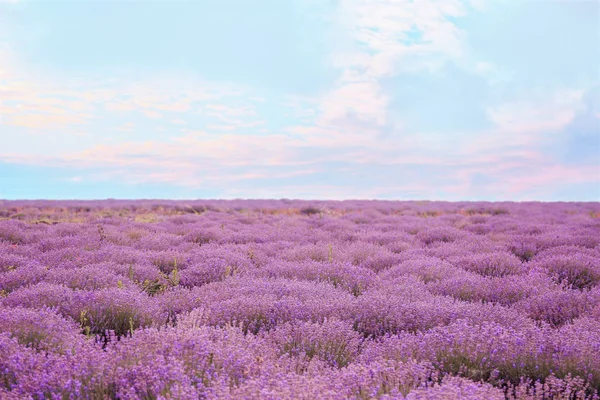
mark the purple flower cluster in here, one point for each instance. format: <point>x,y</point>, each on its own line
<point>299,300</point>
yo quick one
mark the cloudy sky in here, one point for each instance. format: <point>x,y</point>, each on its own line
<point>327,99</point>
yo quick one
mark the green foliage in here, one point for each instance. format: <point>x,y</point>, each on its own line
<point>164,282</point>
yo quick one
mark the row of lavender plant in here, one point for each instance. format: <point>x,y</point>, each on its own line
<point>299,300</point>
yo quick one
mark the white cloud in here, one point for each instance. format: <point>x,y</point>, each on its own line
<point>390,37</point>
<point>538,113</point>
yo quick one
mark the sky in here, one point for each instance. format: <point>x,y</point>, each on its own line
<point>301,99</point>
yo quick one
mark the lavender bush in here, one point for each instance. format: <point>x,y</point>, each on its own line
<point>299,300</point>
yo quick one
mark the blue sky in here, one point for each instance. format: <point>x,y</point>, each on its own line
<point>327,99</point>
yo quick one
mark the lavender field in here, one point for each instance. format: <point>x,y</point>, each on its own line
<point>299,300</point>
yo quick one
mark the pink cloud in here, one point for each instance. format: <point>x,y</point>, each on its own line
<point>46,121</point>
<point>543,178</point>
<point>220,110</point>
<point>35,100</point>
<point>152,114</point>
